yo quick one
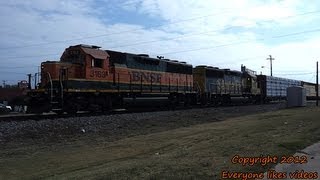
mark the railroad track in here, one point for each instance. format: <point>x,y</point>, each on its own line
<point>51,115</point>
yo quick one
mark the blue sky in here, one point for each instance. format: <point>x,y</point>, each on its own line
<point>212,32</point>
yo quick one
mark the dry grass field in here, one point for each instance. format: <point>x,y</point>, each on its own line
<point>199,151</point>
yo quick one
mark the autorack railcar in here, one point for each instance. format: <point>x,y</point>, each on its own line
<point>275,88</point>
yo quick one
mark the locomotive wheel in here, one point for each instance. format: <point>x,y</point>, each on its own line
<point>225,100</point>
<point>107,107</point>
<point>59,112</point>
<point>187,101</point>
<point>173,102</point>
<point>72,107</point>
<point>72,110</point>
<point>215,101</point>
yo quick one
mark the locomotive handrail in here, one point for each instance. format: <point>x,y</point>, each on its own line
<point>51,86</point>
<point>198,88</point>
<point>118,82</point>
<point>160,86</point>
<point>130,86</point>
<point>177,85</point>
<point>151,84</point>
<point>61,85</point>
<point>169,85</point>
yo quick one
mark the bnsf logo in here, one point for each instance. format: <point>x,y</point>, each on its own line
<point>146,77</point>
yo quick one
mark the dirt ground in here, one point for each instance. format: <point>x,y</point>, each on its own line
<point>197,143</point>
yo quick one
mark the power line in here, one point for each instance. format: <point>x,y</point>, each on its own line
<point>296,74</point>
<point>292,34</point>
<point>136,3</point>
<point>312,78</point>
<point>17,57</point>
<point>153,41</point>
<point>7,80</point>
<point>217,30</point>
<point>12,72</point>
<point>16,67</point>
<point>239,42</point>
<point>242,60</point>
<point>204,48</point>
<point>131,2</point>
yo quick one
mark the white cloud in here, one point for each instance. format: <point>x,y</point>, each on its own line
<point>219,33</point>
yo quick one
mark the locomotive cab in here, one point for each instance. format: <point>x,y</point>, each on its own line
<point>92,62</point>
<point>250,82</point>
<point>77,62</point>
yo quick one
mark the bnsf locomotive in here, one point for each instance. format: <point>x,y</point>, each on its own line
<point>88,78</point>
<point>91,79</point>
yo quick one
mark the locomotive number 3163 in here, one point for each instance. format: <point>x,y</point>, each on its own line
<point>98,73</point>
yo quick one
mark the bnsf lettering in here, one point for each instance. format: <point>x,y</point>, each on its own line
<point>98,74</point>
<point>146,77</point>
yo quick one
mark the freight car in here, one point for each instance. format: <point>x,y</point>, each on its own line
<point>310,90</point>
<point>88,78</point>
<point>275,88</point>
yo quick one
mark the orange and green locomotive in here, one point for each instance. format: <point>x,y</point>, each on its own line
<point>88,78</point>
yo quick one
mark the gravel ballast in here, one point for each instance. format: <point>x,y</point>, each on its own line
<point>121,125</point>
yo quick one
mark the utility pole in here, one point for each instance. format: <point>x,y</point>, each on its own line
<point>29,81</point>
<point>35,80</point>
<point>38,74</point>
<point>317,85</point>
<point>270,58</point>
